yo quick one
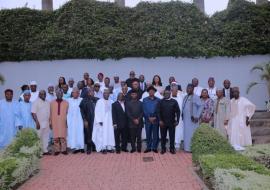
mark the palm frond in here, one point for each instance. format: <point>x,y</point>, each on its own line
<point>2,79</point>
<point>265,76</point>
<point>257,67</point>
<point>250,85</point>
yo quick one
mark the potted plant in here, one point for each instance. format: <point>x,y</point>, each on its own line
<point>265,78</point>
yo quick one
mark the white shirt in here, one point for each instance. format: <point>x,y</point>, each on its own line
<point>198,90</point>
<point>70,90</point>
<point>212,92</point>
<point>122,105</point>
<point>34,96</point>
<point>50,97</point>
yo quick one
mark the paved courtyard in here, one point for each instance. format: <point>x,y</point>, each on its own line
<point>123,171</point>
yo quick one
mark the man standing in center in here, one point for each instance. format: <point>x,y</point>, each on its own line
<point>59,109</point>
<point>103,132</point>
<point>150,105</point>
<point>134,109</point>
<point>169,115</point>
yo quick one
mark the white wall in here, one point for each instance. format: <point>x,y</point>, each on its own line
<point>184,69</point>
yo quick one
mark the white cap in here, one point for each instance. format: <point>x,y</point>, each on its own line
<point>33,83</point>
<point>50,85</point>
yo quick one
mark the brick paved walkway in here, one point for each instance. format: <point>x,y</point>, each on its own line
<point>123,171</point>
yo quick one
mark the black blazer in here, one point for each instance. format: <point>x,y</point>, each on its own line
<point>231,93</point>
<point>119,116</point>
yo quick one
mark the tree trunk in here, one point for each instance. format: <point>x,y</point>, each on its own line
<point>47,5</point>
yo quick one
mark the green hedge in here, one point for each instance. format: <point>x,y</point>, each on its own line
<point>209,163</point>
<point>236,179</point>
<point>207,140</point>
<point>89,29</point>
<point>20,159</point>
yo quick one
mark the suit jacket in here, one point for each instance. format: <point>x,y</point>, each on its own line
<point>134,110</point>
<point>231,93</point>
<point>119,116</point>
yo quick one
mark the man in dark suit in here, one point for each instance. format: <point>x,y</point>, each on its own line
<point>134,110</point>
<point>227,90</point>
<point>142,83</point>
<point>169,115</point>
<point>172,81</point>
<point>86,77</point>
<point>136,88</point>
<point>120,123</point>
<point>87,107</point>
<point>131,79</point>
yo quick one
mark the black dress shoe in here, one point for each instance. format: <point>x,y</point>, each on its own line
<point>124,150</point>
<point>46,154</point>
<point>139,151</point>
<point>162,151</point>
<point>117,151</point>
<point>104,151</point>
<point>82,151</point>
<point>75,151</point>
<point>172,151</point>
<point>65,153</point>
<point>147,150</point>
<point>110,151</point>
<point>132,151</point>
<point>56,153</point>
<point>155,150</point>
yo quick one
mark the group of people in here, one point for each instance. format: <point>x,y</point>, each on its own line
<point>104,117</point>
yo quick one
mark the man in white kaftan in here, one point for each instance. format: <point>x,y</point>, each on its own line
<point>103,131</point>
<point>75,136</point>
<point>179,129</point>
<point>241,112</point>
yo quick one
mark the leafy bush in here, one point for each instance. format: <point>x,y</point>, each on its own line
<point>25,138</point>
<point>260,153</point>
<point>257,150</point>
<point>20,159</point>
<point>209,163</point>
<point>233,179</point>
<point>90,29</point>
<point>207,140</point>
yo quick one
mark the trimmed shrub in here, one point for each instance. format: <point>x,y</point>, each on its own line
<point>209,163</point>
<point>90,29</point>
<point>260,153</point>
<point>234,179</point>
<point>206,140</point>
<point>20,159</point>
<point>257,150</point>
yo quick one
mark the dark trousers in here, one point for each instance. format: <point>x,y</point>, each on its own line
<point>163,131</point>
<point>88,138</point>
<point>121,135</point>
<point>136,136</point>
<point>152,136</point>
